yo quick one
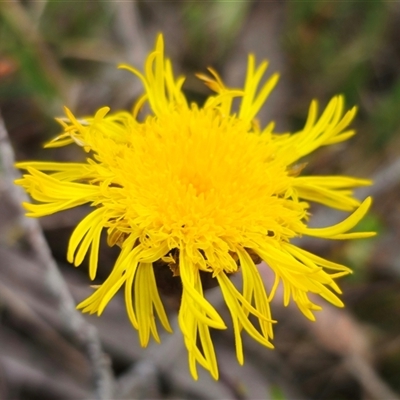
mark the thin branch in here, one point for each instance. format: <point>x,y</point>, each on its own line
<point>85,333</point>
<point>141,379</point>
<point>375,387</point>
<point>130,31</point>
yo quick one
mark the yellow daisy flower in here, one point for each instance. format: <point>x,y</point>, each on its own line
<point>199,193</point>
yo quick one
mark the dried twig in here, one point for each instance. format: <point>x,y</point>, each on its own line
<point>130,31</point>
<point>140,380</point>
<point>35,381</point>
<point>373,385</point>
<point>83,332</point>
<point>385,179</point>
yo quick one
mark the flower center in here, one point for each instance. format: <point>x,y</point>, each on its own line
<point>200,177</point>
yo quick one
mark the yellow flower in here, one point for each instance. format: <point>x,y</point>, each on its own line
<point>200,192</point>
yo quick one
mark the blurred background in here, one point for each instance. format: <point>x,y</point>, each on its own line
<point>56,53</point>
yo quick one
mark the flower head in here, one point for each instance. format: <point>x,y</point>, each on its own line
<point>199,192</point>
